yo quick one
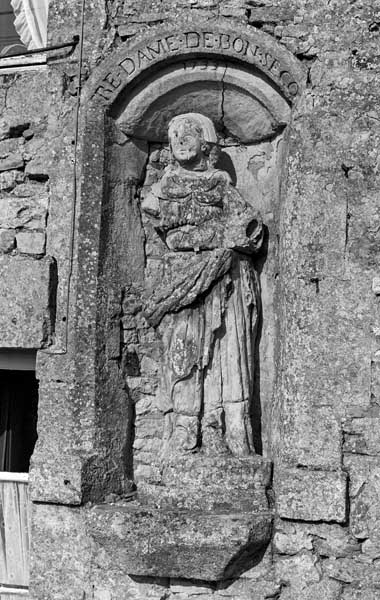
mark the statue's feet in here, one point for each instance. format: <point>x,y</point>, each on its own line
<point>184,437</point>
<point>213,442</point>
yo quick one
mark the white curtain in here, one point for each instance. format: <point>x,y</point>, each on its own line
<point>31,22</point>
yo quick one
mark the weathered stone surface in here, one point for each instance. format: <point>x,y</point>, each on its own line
<point>308,495</point>
<point>10,146</point>
<point>4,129</point>
<point>192,545</point>
<point>362,435</point>
<point>333,541</point>
<point>219,484</point>
<point>353,570</point>
<point>326,589</point>
<point>326,539</point>
<point>7,240</point>
<point>364,474</point>
<point>61,554</point>
<point>29,212</point>
<point>302,577</point>
<point>290,539</point>
<point>26,301</point>
<point>14,161</point>
<point>9,179</point>
<point>248,589</point>
<point>37,168</point>
<point>31,242</point>
<point>361,593</point>
<point>55,472</point>
<point>317,439</point>
<point>100,594</point>
<point>300,572</point>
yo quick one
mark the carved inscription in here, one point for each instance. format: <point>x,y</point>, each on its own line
<point>195,41</point>
<point>204,65</point>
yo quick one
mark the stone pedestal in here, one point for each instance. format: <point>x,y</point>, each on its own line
<point>208,519</point>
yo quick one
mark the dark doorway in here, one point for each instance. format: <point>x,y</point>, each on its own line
<point>18,419</point>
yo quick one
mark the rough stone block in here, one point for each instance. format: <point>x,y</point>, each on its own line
<point>353,570</point>
<point>301,570</point>
<point>7,240</point>
<point>205,519</point>
<point>10,146</point>
<point>14,161</point>
<point>31,242</point>
<point>329,539</point>
<point>61,554</point>
<point>362,435</point>
<point>301,578</point>
<point>28,213</point>
<point>9,179</point>
<point>25,301</point>
<point>364,492</point>
<point>326,589</point>
<point>4,129</point>
<point>306,495</point>
<point>55,474</point>
<point>246,589</point>
<point>191,545</point>
<point>289,539</point>
<point>217,484</point>
<point>38,168</point>
<point>316,438</point>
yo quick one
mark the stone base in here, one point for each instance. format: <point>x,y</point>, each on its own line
<point>220,483</point>
<point>181,544</point>
<point>208,519</point>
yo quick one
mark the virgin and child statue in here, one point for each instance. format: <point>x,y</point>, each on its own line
<point>202,295</point>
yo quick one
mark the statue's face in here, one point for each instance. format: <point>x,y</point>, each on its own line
<point>186,142</point>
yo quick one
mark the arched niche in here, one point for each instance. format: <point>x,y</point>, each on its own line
<point>247,84</point>
<point>240,102</point>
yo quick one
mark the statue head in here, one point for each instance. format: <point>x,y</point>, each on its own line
<point>193,140</point>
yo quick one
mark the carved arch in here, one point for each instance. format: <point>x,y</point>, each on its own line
<point>251,48</point>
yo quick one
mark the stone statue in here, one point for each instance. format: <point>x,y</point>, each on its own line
<point>202,295</point>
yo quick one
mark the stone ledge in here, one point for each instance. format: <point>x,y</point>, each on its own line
<point>208,518</point>
<point>182,544</point>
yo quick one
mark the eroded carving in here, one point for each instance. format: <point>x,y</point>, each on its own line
<point>202,295</point>
<point>252,50</point>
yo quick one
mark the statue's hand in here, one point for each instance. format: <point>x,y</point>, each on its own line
<point>255,233</point>
<point>244,236</point>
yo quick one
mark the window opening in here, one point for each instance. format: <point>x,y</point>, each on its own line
<point>23,25</point>
<point>10,41</point>
<point>18,419</point>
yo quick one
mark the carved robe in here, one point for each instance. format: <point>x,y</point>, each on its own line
<point>203,300</point>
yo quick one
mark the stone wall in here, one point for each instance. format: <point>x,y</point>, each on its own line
<point>323,428</point>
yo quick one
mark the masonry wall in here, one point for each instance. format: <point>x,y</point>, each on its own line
<point>325,434</point>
